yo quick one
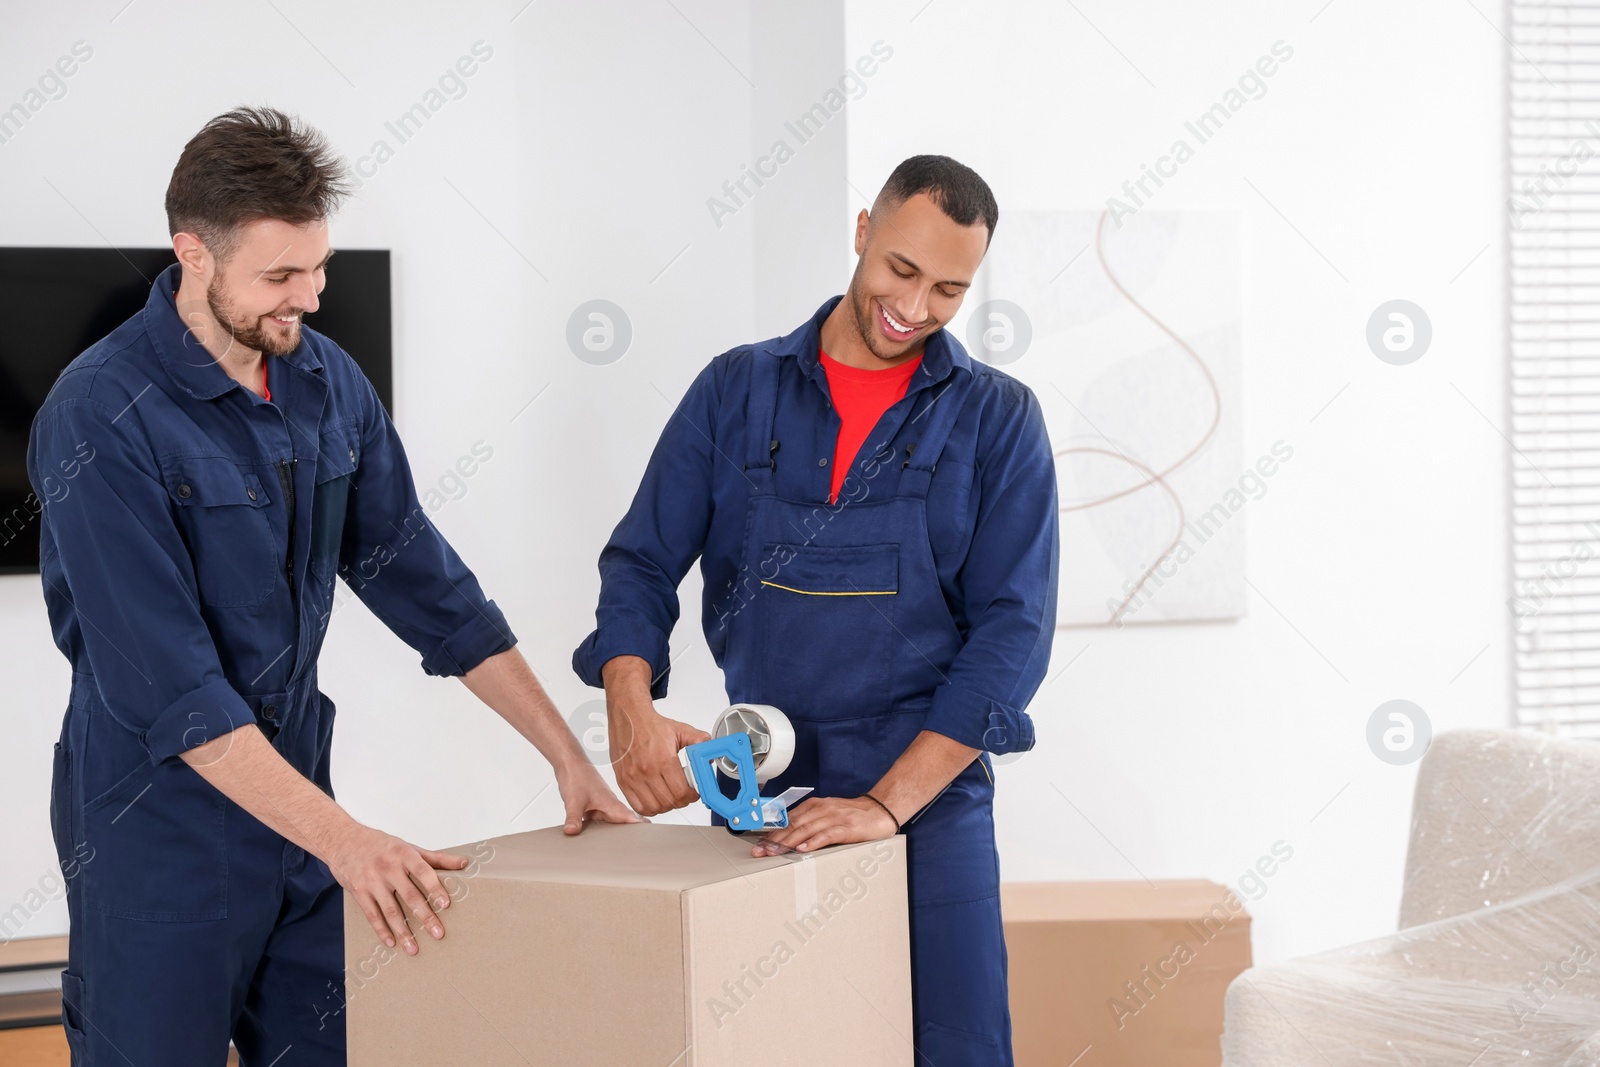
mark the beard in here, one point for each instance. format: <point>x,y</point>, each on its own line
<point>865,316</point>
<point>256,334</point>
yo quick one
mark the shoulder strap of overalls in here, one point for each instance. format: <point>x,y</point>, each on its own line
<point>928,430</point>
<point>761,412</point>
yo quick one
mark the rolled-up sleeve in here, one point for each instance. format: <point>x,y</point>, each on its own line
<point>657,541</point>
<point>401,566</point>
<point>112,548</point>
<point>1007,587</point>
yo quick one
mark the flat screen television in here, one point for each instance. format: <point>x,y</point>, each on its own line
<point>56,302</point>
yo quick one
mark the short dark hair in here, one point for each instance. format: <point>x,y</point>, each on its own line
<point>252,163</point>
<point>955,187</point>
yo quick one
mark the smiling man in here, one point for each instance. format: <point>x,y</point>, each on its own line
<point>875,519</point>
<point>230,463</point>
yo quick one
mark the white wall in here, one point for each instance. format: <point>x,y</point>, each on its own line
<point>586,143</point>
<point>1188,750</point>
<point>591,141</point>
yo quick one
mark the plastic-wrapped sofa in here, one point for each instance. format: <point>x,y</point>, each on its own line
<point>1497,961</point>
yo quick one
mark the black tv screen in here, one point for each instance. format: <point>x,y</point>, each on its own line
<point>56,302</point>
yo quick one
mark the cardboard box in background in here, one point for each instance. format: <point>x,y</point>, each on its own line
<point>1134,972</point>
<point>644,944</point>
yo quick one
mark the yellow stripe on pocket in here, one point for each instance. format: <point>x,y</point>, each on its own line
<point>812,592</point>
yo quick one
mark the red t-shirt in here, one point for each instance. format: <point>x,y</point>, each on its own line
<point>266,394</point>
<point>861,397</point>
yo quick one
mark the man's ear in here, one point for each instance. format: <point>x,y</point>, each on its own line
<point>191,253</point>
<point>862,221</point>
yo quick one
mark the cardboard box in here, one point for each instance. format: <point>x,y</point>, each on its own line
<point>1121,974</point>
<point>648,944</point>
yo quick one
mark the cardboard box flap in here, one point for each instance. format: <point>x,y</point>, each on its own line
<point>630,856</point>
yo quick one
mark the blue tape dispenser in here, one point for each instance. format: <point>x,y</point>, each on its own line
<point>751,743</point>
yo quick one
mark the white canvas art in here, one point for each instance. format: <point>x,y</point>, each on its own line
<point>1129,335</point>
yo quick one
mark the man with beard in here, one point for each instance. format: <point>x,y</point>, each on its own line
<point>875,519</point>
<point>228,463</point>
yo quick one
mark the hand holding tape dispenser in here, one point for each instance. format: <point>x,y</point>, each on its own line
<point>751,743</point>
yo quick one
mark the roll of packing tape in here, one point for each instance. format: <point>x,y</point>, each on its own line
<point>771,738</point>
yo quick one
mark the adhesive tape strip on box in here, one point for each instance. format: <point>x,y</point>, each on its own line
<point>805,885</point>
<point>771,738</point>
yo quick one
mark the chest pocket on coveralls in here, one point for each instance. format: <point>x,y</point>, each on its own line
<point>950,507</point>
<point>828,624</point>
<point>220,508</point>
<point>339,455</point>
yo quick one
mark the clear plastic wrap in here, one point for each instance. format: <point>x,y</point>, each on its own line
<point>1497,961</point>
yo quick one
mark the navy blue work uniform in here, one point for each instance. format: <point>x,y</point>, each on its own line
<point>192,533</point>
<point>922,599</point>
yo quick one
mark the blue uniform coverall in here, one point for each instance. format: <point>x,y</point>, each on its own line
<point>922,599</point>
<point>191,536</point>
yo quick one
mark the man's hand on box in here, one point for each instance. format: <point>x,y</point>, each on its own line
<point>922,772</point>
<point>383,873</point>
<point>587,796</point>
<point>818,822</point>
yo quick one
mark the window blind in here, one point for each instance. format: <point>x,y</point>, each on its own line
<point>1554,326</point>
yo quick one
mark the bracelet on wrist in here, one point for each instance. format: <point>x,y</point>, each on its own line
<point>885,807</point>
